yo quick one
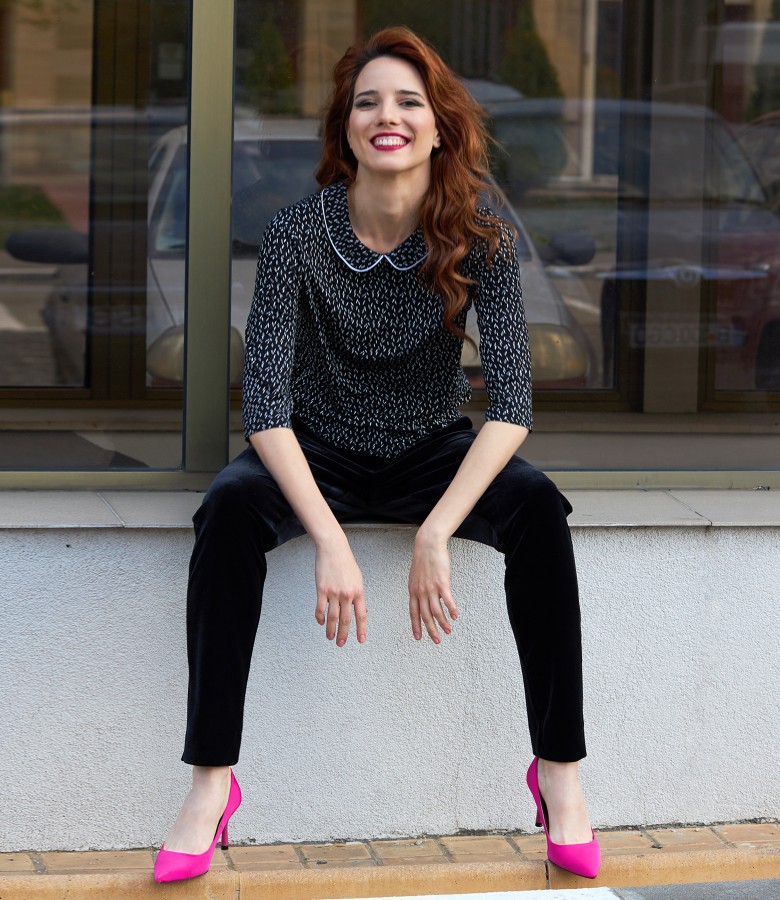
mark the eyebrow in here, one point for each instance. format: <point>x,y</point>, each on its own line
<point>373,91</point>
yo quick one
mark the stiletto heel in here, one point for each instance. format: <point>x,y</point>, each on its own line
<point>581,859</point>
<point>173,866</point>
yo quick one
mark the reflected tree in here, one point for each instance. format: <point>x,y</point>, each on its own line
<point>431,20</point>
<point>766,96</point>
<point>269,78</point>
<point>526,65</point>
<point>42,13</point>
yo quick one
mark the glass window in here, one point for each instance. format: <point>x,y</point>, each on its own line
<point>637,156</point>
<point>636,146</point>
<point>94,98</point>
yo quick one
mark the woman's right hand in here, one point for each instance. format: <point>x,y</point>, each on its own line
<point>339,583</point>
<point>337,575</point>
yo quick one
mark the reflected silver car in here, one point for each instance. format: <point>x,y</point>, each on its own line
<point>273,167</point>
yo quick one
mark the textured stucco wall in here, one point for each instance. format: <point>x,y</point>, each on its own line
<point>392,738</point>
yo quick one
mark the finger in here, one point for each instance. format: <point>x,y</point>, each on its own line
<point>414,615</point>
<point>319,609</point>
<point>345,617</point>
<point>452,607</point>
<point>361,618</point>
<point>437,610</point>
<point>428,620</point>
<point>333,618</point>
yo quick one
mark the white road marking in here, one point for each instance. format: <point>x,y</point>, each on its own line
<point>9,322</point>
<point>587,306</point>
<point>600,893</point>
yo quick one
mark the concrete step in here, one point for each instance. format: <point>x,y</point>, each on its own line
<point>442,866</point>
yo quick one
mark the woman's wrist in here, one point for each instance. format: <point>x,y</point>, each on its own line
<point>330,537</point>
<point>432,534</point>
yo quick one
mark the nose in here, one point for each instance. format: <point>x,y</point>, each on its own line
<point>387,112</point>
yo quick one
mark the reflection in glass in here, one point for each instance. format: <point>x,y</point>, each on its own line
<point>639,168</point>
<point>273,166</point>
<point>563,354</point>
<point>44,186</point>
<point>87,91</point>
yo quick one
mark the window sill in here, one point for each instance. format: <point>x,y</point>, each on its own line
<point>626,508</point>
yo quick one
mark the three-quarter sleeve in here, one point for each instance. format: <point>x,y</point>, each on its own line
<point>271,329</point>
<point>503,336</point>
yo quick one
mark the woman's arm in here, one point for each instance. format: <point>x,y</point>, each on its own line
<point>337,577</point>
<point>429,575</point>
<point>268,371</point>
<point>506,366</point>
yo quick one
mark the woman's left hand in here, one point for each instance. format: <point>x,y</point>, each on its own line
<point>429,588</point>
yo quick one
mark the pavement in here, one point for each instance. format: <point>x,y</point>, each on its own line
<point>731,890</point>
<point>701,861</point>
<point>725,890</point>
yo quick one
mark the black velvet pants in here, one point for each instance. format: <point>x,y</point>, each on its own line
<point>244,515</point>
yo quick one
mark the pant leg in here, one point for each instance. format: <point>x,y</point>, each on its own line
<point>528,513</point>
<point>242,517</point>
<point>523,515</point>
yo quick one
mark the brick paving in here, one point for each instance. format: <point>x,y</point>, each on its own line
<point>457,863</point>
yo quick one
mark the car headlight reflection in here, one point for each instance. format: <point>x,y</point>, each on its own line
<point>556,355</point>
<point>165,357</point>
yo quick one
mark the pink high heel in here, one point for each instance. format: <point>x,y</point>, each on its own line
<point>173,866</point>
<point>581,859</point>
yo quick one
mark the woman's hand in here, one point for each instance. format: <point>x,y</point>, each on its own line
<point>429,587</point>
<point>339,583</point>
<point>429,577</point>
<point>337,576</point>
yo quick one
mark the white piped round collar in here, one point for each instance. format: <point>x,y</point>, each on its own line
<point>352,251</point>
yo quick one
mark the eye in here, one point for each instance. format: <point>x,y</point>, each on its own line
<point>411,103</point>
<point>364,104</point>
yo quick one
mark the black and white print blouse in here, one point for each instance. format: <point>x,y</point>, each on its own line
<point>351,342</point>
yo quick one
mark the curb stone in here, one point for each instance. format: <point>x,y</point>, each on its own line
<point>354,872</point>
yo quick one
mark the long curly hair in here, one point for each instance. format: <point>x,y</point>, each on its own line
<point>450,216</point>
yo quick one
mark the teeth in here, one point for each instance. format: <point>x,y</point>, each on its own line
<point>389,142</point>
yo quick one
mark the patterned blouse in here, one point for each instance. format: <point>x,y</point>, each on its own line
<point>351,342</point>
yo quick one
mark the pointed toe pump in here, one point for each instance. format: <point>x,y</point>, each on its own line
<point>172,866</point>
<point>581,859</point>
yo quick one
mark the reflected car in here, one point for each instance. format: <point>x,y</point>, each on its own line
<point>760,140</point>
<point>273,167</point>
<point>710,223</point>
<point>530,132</point>
<point>703,219</point>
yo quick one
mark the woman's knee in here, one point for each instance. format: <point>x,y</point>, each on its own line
<point>237,496</point>
<point>226,496</point>
<point>529,486</point>
<point>546,494</point>
<point>536,534</point>
<point>533,505</point>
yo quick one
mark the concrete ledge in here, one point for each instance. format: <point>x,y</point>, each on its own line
<point>679,640</point>
<point>128,874</point>
<point>679,636</point>
<point>634,508</point>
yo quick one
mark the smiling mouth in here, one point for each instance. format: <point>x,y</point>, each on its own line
<point>390,141</point>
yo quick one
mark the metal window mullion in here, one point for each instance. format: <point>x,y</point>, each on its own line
<point>207,323</point>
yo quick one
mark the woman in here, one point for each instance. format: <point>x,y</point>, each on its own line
<point>352,387</point>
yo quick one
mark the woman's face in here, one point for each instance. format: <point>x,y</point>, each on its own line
<point>391,127</point>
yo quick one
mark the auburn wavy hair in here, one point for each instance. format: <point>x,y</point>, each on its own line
<point>449,215</point>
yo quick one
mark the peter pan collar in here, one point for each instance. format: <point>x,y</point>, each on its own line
<point>354,253</point>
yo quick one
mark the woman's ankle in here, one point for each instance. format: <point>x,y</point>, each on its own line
<point>552,771</point>
<point>209,776</point>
